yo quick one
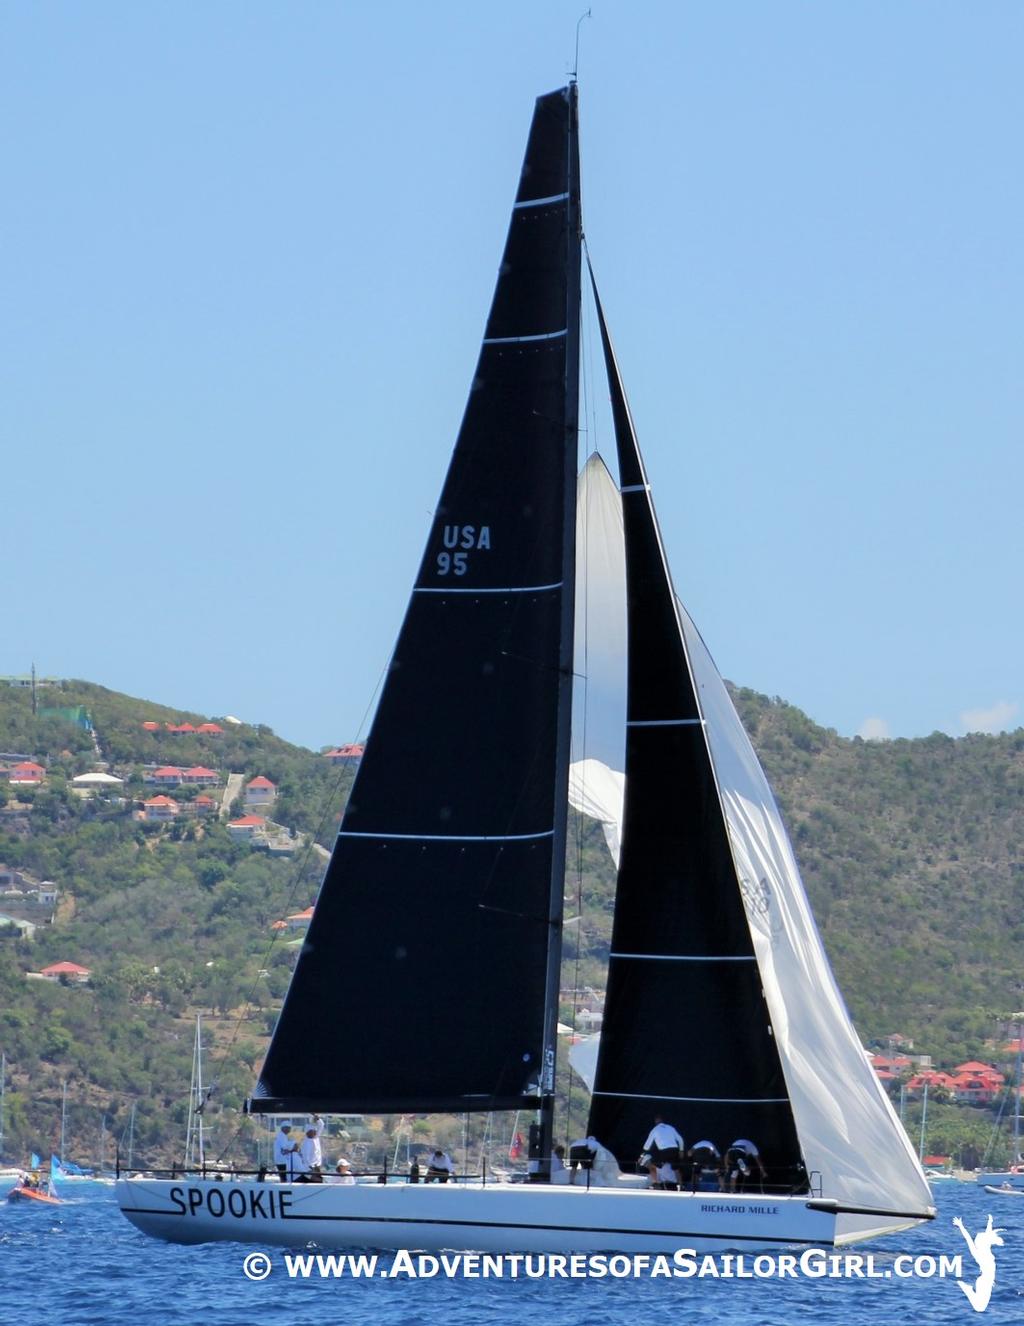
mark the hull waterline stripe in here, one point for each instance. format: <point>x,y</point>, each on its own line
<point>540,202</point>
<point>450,837</point>
<point>507,1224</point>
<point>517,340</point>
<point>685,957</point>
<point>697,1100</point>
<point>665,722</point>
<point>501,589</point>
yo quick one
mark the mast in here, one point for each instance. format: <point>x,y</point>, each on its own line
<point>194,1148</point>
<point>131,1134</point>
<point>1016,1107</point>
<point>924,1120</point>
<point>3,1092</point>
<point>63,1117</point>
<point>565,662</point>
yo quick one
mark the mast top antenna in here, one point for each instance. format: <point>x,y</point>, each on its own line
<point>576,61</point>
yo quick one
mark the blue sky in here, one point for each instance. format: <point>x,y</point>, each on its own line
<point>247,254</point>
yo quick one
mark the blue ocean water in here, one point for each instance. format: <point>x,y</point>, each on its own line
<point>83,1265</point>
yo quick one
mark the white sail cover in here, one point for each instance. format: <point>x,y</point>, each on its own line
<point>848,1131</point>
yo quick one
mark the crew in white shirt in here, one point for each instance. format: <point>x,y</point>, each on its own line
<point>665,1146</point>
<point>285,1149</point>
<point>342,1173</point>
<point>441,1167</point>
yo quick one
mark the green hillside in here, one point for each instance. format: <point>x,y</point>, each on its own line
<point>909,850</point>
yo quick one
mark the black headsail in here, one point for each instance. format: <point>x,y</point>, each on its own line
<point>429,978</point>
<point>686,1031</point>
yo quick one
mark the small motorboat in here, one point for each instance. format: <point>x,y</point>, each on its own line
<point>30,1192</point>
<point>1006,1190</point>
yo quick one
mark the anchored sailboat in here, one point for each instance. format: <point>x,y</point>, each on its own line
<point>449,864</point>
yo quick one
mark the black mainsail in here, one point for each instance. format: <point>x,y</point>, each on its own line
<point>446,879</point>
<point>687,1032</point>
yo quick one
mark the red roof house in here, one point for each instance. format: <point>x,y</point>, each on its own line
<point>260,792</point>
<point>978,1088</point>
<point>246,826</point>
<point>179,729</point>
<point>210,730</point>
<point>151,726</point>
<point>159,808</point>
<point>891,1063</point>
<point>202,777</point>
<point>933,1080</point>
<point>345,754</point>
<point>27,774</point>
<point>66,971</point>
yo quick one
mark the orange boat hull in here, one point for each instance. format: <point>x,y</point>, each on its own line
<point>23,1194</point>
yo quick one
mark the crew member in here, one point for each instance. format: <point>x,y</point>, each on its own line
<point>441,1167</point>
<point>741,1158</point>
<point>664,1146</point>
<point>284,1152</point>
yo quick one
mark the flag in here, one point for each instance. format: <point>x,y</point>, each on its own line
<point>515,1149</point>
<point>34,1161</point>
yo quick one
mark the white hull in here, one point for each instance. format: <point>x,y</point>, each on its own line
<point>997,1178</point>
<point>484,1218</point>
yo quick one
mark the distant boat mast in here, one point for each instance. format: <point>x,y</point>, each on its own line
<point>195,1153</point>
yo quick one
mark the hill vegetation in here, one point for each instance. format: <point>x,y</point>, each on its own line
<point>910,852</point>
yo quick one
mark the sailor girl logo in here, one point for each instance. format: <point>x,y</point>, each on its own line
<point>981,1247</point>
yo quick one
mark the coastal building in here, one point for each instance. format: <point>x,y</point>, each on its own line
<point>26,929</point>
<point>246,827</point>
<point>69,973</point>
<point>159,809</point>
<point>933,1080</point>
<point>344,754</point>
<point>209,730</point>
<point>977,1083</point>
<point>199,776</point>
<point>26,774</point>
<point>97,782</point>
<point>260,792</point>
<point>166,776</point>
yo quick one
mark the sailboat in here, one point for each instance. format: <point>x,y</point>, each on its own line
<point>443,900</point>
